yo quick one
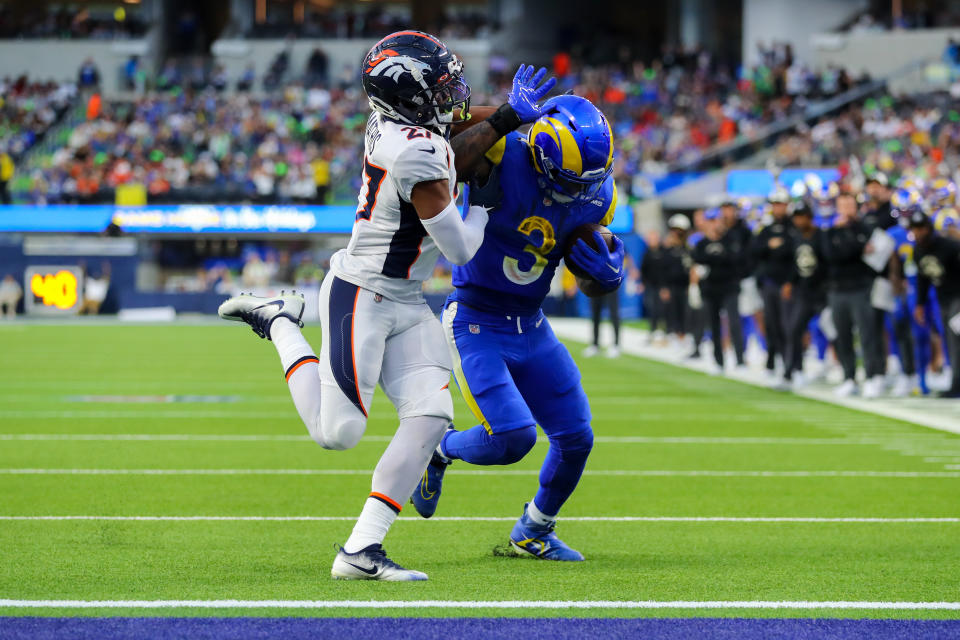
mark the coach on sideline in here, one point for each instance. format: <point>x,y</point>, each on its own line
<point>850,281</point>
<point>938,264</point>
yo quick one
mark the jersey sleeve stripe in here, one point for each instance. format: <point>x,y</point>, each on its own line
<point>608,216</point>
<point>495,153</point>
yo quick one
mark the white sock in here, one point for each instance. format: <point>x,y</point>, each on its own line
<point>300,367</point>
<point>399,470</point>
<point>372,525</point>
<point>538,516</point>
<point>406,457</point>
<point>290,343</point>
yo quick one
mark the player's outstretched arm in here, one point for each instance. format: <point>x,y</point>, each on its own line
<point>521,107</point>
<point>457,238</point>
<point>476,115</point>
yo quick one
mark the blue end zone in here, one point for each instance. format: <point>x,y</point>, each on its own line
<point>445,628</point>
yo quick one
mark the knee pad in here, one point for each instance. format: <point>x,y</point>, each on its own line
<point>343,434</point>
<point>515,444</point>
<point>575,442</point>
<point>438,404</point>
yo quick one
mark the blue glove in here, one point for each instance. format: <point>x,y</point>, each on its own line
<point>604,266</point>
<point>525,93</point>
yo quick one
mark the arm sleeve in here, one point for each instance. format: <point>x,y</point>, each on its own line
<point>458,239</point>
<point>420,161</point>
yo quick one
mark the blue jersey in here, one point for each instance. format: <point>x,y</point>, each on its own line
<point>525,237</point>
<point>904,248</point>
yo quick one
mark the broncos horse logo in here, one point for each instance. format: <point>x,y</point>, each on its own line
<point>393,65</point>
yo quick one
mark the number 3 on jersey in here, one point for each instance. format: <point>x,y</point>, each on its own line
<point>511,266</point>
<point>372,178</point>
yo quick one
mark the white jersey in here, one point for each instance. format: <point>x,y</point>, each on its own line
<point>390,252</point>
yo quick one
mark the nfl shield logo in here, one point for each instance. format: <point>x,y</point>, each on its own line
<point>474,328</point>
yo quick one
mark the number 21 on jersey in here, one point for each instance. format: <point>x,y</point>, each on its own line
<point>372,178</point>
<point>511,266</point>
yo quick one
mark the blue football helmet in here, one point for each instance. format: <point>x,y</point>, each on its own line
<point>906,200</point>
<point>572,147</point>
<point>943,192</point>
<point>946,219</point>
<point>412,77</point>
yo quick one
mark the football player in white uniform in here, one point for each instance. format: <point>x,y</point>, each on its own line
<point>376,325</point>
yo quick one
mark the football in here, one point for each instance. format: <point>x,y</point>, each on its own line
<point>585,231</point>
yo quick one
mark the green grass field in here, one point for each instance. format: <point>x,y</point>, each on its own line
<point>670,443</point>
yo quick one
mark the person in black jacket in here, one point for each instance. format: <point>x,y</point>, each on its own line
<point>850,280</point>
<point>772,253</point>
<point>938,265</point>
<point>650,276</point>
<point>721,252</point>
<point>804,288</point>
<point>877,211</point>
<point>740,236</point>
<point>675,266</point>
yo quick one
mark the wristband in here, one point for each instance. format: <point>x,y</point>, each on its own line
<point>504,120</point>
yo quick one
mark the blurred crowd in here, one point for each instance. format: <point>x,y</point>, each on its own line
<point>862,271</point>
<point>191,138</point>
<point>28,108</point>
<point>669,112</point>
<point>70,21</point>
<point>917,133</point>
<point>188,146</point>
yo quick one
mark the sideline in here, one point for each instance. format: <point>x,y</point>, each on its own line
<point>935,413</point>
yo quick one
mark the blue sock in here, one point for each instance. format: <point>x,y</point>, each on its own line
<point>892,347</point>
<point>562,469</point>
<point>921,340</point>
<point>477,446</point>
<point>819,338</point>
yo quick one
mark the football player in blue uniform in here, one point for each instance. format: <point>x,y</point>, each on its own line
<point>512,370</point>
<point>912,340</point>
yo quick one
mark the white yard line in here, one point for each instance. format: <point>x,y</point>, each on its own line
<point>645,473</point>
<point>633,342</point>
<point>648,473</point>
<point>198,437</point>
<point>476,604</point>
<point>686,519</point>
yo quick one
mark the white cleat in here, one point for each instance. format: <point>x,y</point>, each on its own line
<point>799,380</point>
<point>904,386</point>
<point>260,313</point>
<point>613,351</point>
<point>874,387</point>
<point>780,384</point>
<point>846,389</point>
<point>371,563</point>
<point>591,351</point>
